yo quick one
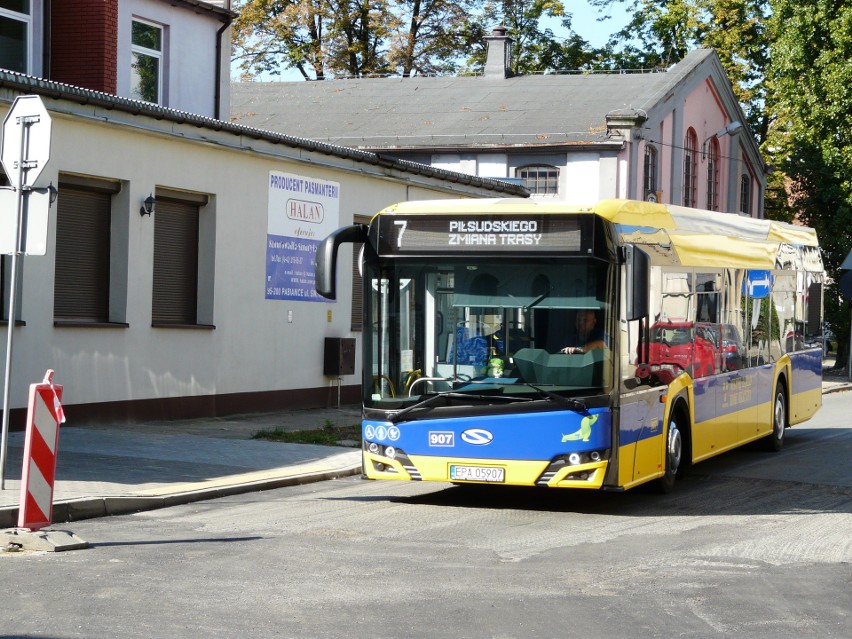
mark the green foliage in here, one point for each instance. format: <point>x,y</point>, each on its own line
<point>357,38</point>
<point>328,435</point>
<point>810,140</point>
<point>661,32</point>
<point>534,49</point>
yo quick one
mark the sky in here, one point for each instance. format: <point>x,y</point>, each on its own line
<point>584,21</point>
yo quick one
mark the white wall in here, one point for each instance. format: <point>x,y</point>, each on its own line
<point>254,347</point>
<point>581,178</point>
<point>189,54</point>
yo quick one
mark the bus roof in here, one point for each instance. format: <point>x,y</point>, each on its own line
<point>700,238</point>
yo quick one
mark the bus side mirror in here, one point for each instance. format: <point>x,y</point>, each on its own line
<point>638,265</point>
<point>325,274</point>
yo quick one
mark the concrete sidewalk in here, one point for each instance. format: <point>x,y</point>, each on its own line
<point>110,470</point>
<point>132,467</point>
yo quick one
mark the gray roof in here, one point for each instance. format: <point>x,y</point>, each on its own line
<point>87,98</point>
<point>221,8</point>
<point>472,112</point>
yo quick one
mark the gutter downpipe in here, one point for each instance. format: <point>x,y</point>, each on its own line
<point>217,110</point>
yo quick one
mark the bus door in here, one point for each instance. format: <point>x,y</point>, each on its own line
<point>746,391</point>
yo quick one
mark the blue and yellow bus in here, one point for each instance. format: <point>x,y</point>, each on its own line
<point>707,336</point>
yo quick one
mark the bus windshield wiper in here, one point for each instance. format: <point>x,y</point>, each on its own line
<point>423,403</point>
<point>432,399</point>
<point>573,404</point>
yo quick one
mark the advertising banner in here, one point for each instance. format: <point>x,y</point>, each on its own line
<point>303,211</point>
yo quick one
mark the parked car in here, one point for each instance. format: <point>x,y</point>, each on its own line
<point>730,345</point>
<point>678,347</point>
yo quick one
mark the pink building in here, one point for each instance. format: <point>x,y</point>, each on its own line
<point>677,136</point>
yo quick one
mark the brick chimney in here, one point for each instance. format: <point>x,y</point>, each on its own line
<point>498,60</point>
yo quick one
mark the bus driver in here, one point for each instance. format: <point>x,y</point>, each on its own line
<point>587,336</point>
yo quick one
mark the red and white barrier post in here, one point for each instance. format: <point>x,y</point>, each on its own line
<point>44,415</point>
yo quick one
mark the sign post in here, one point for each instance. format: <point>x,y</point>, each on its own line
<point>24,152</point>
<point>44,416</point>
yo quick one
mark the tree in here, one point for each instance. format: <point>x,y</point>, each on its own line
<point>430,35</point>
<point>662,32</point>
<point>810,139</point>
<point>323,38</point>
<point>317,37</point>
<point>534,49</point>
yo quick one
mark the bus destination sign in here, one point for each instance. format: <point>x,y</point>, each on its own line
<point>443,234</point>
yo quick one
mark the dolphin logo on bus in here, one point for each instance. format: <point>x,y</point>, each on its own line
<point>585,430</point>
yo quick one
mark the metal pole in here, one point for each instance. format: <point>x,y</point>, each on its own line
<point>19,231</point>
<point>7,377</point>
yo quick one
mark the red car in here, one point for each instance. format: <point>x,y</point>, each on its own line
<point>678,347</point>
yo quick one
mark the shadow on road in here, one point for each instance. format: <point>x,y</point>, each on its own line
<point>811,475</point>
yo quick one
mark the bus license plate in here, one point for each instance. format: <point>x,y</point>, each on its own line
<point>477,473</point>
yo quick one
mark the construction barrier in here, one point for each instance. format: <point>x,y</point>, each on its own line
<point>44,415</point>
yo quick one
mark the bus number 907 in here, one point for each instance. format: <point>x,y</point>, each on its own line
<point>441,438</point>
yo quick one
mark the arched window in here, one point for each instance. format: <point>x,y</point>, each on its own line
<point>539,179</point>
<point>690,168</point>
<point>650,186</point>
<point>745,194</point>
<point>713,175</point>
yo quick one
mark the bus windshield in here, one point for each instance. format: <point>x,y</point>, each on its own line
<point>519,327</point>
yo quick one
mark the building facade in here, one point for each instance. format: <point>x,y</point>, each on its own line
<point>177,277</point>
<point>174,53</point>
<point>676,136</point>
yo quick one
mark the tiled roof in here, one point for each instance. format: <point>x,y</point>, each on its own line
<point>18,83</point>
<point>473,111</point>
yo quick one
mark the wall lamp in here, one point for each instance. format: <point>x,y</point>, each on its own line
<point>148,206</point>
<point>732,128</point>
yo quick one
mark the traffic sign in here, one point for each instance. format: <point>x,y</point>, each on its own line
<point>35,238</point>
<point>758,284</point>
<point>26,129</point>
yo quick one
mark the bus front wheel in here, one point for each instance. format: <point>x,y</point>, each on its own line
<point>774,442</point>
<point>673,454</point>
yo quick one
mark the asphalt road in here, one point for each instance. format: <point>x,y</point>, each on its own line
<point>752,544</point>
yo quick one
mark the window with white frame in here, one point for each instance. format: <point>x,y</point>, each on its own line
<point>146,64</point>
<point>15,35</point>
<point>539,179</point>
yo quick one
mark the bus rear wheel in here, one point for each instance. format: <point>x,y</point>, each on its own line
<point>774,442</point>
<point>674,455</point>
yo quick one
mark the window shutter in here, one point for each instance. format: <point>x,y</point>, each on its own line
<point>81,287</point>
<point>175,294</point>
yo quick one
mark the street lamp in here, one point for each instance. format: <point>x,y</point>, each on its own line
<point>732,128</point>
